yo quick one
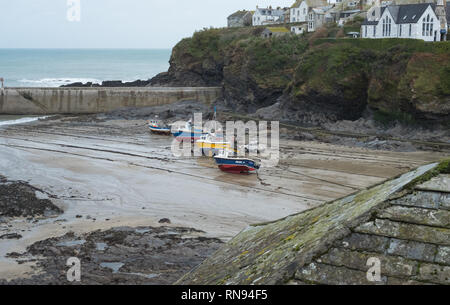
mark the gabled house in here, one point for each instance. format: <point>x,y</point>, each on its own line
<point>240,19</point>
<point>263,16</point>
<point>318,16</point>
<point>301,8</point>
<point>415,21</point>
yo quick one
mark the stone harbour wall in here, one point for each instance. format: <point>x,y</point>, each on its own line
<point>42,101</point>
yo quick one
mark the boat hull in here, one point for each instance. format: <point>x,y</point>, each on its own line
<point>236,169</point>
<point>160,131</point>
<point>236,165</point>
<point>183,136</point>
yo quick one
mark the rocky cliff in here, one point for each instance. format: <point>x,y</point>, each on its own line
<point>318,79</point>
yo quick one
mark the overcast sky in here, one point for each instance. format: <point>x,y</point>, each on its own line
<point>113,23</point>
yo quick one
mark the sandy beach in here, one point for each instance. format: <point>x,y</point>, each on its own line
<point>112,173</point>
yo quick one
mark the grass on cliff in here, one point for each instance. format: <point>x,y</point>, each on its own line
<point>405,77</point>
<point>271,62</point>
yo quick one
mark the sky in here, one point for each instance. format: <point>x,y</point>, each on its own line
<point>113,23</point>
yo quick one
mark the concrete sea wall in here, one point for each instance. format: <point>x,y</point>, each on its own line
<point>36,101</point>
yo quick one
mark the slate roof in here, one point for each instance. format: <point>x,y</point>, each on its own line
<point>404,222</point>
<point>238,14</point>
<point>407,13</point>
<point>311,3</point>
<point>275,12</point>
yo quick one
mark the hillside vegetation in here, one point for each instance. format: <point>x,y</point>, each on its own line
<point>395,79</point>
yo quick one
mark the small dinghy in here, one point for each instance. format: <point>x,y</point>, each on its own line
<point>157,127</point>
<point>235,165</point>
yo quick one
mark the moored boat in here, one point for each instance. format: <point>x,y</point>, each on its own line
<point>157,127</point>
<point>211,144</point>
<point>236,165</point>
<point>188,133</point>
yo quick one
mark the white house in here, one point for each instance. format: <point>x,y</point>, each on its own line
<point>301,8</point>
<point>264,16</point>
<point>416,21</point>
<point>299,29</point>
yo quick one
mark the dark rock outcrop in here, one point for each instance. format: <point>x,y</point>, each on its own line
<point>18,199</point>
<point>318,81</point>
<point>112,83</point>
<point>124,255</point>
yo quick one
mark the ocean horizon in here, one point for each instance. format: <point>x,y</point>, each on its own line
<point>56,67</point>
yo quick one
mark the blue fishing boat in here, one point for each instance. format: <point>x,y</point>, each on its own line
<point>157,127</point>
<point>235,165</point>
<point>187,133</point>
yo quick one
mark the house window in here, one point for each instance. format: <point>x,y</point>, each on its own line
<point>365,31</point>
<point>427,26</point>
<point>374,30</point>
<point>387,26</point>
<point>410,30</point>
<point>400,34</point>
<point>304,11</point>
<point>431,27</point>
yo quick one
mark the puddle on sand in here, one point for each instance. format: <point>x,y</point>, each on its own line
<point>149,276</point>
<point>142,231</point>
<point>71,243</point>
<point>101,246</point>
<point>113,266</point>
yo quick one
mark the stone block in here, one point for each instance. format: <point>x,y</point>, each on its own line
<point>317,273</point>
<point>390,265</point>
<point>443,255</point>
<point>427,200</point>
<point>406,231</point>
<point>438,218</point>
<point>356,241</point>
<point>412,250</point>
<point>434,273</point>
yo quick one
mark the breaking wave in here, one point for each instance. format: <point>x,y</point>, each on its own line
<point>56,82</point>
<point>21,120</point>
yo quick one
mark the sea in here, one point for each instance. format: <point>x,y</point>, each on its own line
<point>56,67</point>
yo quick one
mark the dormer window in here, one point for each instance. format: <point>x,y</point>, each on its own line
<point>404,17</point>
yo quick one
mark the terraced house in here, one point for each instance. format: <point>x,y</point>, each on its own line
<point>265,16</point>
<point>301,8</point>
<point>414,21</point>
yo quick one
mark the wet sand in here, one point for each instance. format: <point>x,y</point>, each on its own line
<point>114,173</point>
